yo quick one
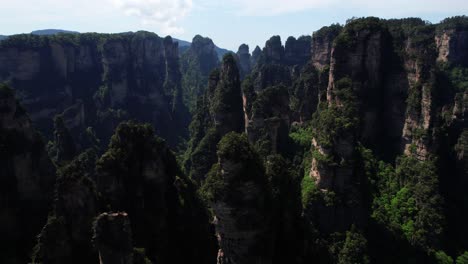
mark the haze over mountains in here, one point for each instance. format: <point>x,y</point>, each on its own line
<point>345,146</point>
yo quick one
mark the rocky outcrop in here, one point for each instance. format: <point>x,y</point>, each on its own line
<point>355,70</point>
<point>322,44</point>
<point>113,238</point>
<point>66,236</point>
<point>273,52</point>
<point>287,228</point>
<point>226,101</point>
<point>297,51</point>
<point>27,180</point>
<point>268,125</point>
<point>139,175</point>
<point>257,52</point>
<point>278,65</point>
<point>389,91</point>
<point>63,149</point>
<point>204,50</point>
<point>238,193</point>
<point>196,65</point>
<point>218,113</point>
<point>96,80</point>
<point>452,46</point>
<point>244,59</point>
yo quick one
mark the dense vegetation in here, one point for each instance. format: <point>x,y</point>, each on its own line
<point>347,146</point>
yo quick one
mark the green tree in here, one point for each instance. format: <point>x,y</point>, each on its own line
<point>463,259</point>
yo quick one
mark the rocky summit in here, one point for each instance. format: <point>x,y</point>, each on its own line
<point>345,146</point>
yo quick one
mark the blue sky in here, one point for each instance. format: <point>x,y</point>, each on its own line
<point>228,22</point>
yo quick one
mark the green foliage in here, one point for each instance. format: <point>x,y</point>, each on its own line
<point>323,159</point>
<point>354,250</point>
<point>329,32</point>
<point>305,92</point>
<point>463,259</point>
<point>459,78</point>
<point>233,148</point>
<point>309,190</point>
<point>346,39</point>
<point>227,99</point>
<point>414,98</point>
<point>409,203</point>
<point>204,155</point>
<point>419,133</point>
<point>405,25</point>
<point>456,22</point>
<point>331,122</point>
<point>302,136</point>
<point>213,186</point>
<point>443,258</point>
<point>139,256</point>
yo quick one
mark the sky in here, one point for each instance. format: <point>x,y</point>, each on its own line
<point>228,22</point>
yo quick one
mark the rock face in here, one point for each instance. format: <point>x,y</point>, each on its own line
<point>218,113</point>
<point>64,148</point>
<point>27,180</point>
<point>268,125</point>
<point>226,103</point>
<point>391,87</point>
<point>240,199</point>
<point>279,65</point>
<point>273,52</point>
<point>256,55</point>
<point>452,46</point>
<point>297,51</point>
<point>140,175</point>
<point>244,59</point>
<point>113,238</point>
<point>322,44</point>
<point>66,236</point>
<point>96,80</point>
<point>196,65</point>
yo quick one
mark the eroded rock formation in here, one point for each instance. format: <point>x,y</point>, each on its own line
<point>97,80</point>
<point>238,191</point>
<point>27,180</point>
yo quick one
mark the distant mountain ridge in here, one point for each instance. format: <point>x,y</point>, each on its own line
<point>52,32</point>
<point>183,44</point>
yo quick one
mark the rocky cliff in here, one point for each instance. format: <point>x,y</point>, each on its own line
<point>218,113</point>
<point>97,80</point>
<point>388,89</point>
<point>237,189</point>
<point>113,238</point>
<point>66,236</point>
<point>245,60</point>
<point>196,65</point>
<point>139,175</point>
<point>27,180</point>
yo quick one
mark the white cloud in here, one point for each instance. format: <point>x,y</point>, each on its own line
<point>379,7</point>
<point>163,14</point>
<point>276,7</point>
